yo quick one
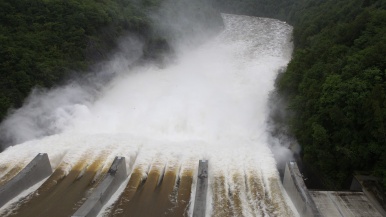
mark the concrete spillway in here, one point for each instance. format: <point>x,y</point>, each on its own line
<point>315,203</point>
<point>38,169</point>
<point>94,203</point>
<point>166,191</point>
<point>201,190</point>
<point>60,193</point>
<point>167,188</point>
<point>81,192</point>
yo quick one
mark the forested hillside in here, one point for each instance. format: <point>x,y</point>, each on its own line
<point>42,41</point>
<point>335,84</point>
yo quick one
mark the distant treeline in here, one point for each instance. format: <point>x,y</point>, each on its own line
<point>335,84</point>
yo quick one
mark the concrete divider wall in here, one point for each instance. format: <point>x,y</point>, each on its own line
<point>38,169</point>
<point>296,189</point>
<point>114,178</point>
<point>355,185</point>
<point>201,189</point>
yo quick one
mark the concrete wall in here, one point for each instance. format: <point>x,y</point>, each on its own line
<point>114,178</point>
<point>374,194</point>
<point>38,169</point>
<point>344,204</point>
<point>355,185</point>
<point>201,189</point>
<point>296,189</point>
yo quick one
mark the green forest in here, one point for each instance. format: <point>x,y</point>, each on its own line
<point>335,84</point>
<point>336,87</point>
<point>43,42</point>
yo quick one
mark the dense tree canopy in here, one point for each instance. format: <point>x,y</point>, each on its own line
<point>41,41</point>
<point>336,84</point>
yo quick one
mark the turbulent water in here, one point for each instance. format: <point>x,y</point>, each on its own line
<point>210,103</point>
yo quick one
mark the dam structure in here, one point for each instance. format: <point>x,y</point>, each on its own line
<point>319,203</point>
<point>309,203</point>
<point>135,150</point>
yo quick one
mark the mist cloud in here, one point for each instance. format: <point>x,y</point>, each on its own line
<point>50,111</point>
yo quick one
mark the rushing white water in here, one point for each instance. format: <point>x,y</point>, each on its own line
<point>211,103</point>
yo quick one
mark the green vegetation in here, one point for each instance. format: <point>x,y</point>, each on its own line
<point>43,41</point>
<point>335,84</point>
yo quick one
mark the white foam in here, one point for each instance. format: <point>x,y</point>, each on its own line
<point>211,103</point>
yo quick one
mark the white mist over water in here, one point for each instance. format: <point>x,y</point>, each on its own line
<point>211,103</point>
<point>215,92</point>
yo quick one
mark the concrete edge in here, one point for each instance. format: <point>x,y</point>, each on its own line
<point>38,169</point>
<point>103,192</point>
<point>296,189</point>
<point>357,185</point>
<point>201,189</point>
